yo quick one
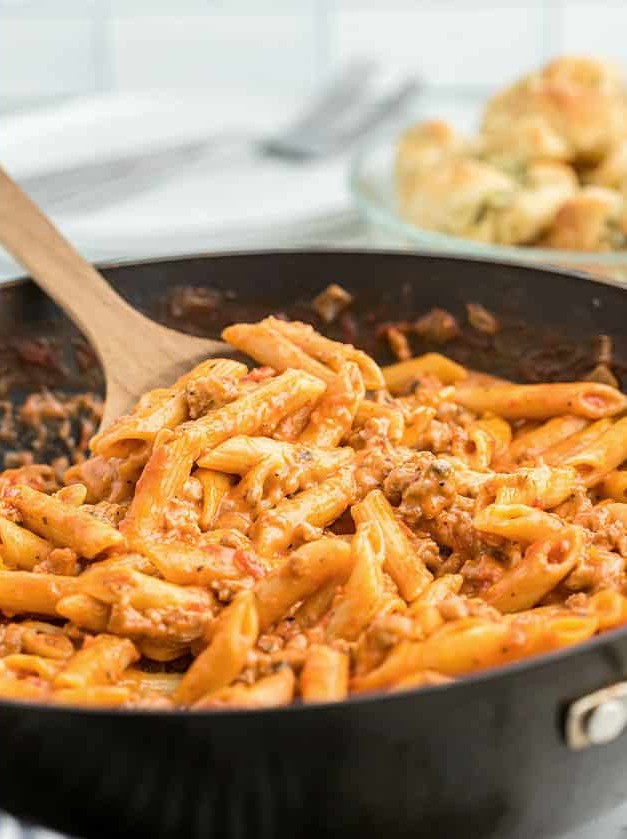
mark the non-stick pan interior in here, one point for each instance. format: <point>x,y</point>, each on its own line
<point>549,323</point>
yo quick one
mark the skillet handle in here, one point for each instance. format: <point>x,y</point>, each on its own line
<point>597,718</point>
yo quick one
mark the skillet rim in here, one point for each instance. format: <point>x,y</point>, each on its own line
<point>476,678</point>
<point>340,250</point>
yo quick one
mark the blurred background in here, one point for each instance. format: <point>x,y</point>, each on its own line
<point>461,49</point>
<point>96,80</point>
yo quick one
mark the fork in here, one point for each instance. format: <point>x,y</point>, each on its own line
<point>336,120</point>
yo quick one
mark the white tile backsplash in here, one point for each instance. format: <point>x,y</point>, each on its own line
<point>55,47</point>
<point>448,45</point>
<point>186,8</point>
<point>597,27</point>
<point>272,51</point>
<point>50,9</point>
<point>46,56</point>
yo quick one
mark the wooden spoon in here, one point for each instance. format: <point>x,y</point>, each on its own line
<point>136,353</point>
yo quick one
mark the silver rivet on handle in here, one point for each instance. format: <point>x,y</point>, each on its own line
<point>606,722</point>
<point>597,718</point>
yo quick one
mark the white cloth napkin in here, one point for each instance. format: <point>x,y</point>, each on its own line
<point>233,197</point>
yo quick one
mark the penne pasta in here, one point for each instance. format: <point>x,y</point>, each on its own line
<point>161,651</point>
<point>101,661</point>
<point>530,445</point>
<point>612,486</point>
<point>583,399</point>
<point>544,565</point>
<point>363,593</point>
<point>162,408</point>
<point>399,378</point>
<point>140,680</point>
<point>24,689</point>
<point>299,576</point>
<point>215,487</point>
<point>84,611</point>
<point>417,425</point>
<point>102,696</point>
<point>488,440</point>
<point>267,692</point>
<point>383,412</point>
<point>401,560</point>
<point>331,353</point>
<point>313,608</point>
<point>421,679</point>
<point>475,644</point>
<point>221,662</point>
<point>313,528</point>
<point>112,480</point>
<point>171,461</point>
<point>610,608</point>
<point>200,565</point>
<point>22,549</point>
<point>556,454</point>
<point>159,409</point>
<point>45,639</point>
<point>517,522</point>
<point>317,507</point>
<point>74,495</point>
<point>537,486</point>
<point>23,593</point>
<point>324,677</point>
<point>437,591</point>
<point>115,584</point>
<point>600,569</point>
<point>63,525</point>
<point>333,417</point>
<point>226,368</point>
<point>601,456</point>
<point>239,455</point>
<point>34,665</point>
<point>616,509</point>
<point>264,343</point>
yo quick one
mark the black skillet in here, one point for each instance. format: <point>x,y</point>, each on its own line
<point>487,756</point>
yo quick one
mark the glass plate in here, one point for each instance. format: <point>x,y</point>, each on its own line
<point>373,191</point>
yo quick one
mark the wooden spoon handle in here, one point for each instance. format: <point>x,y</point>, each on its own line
<point>103,316</point>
